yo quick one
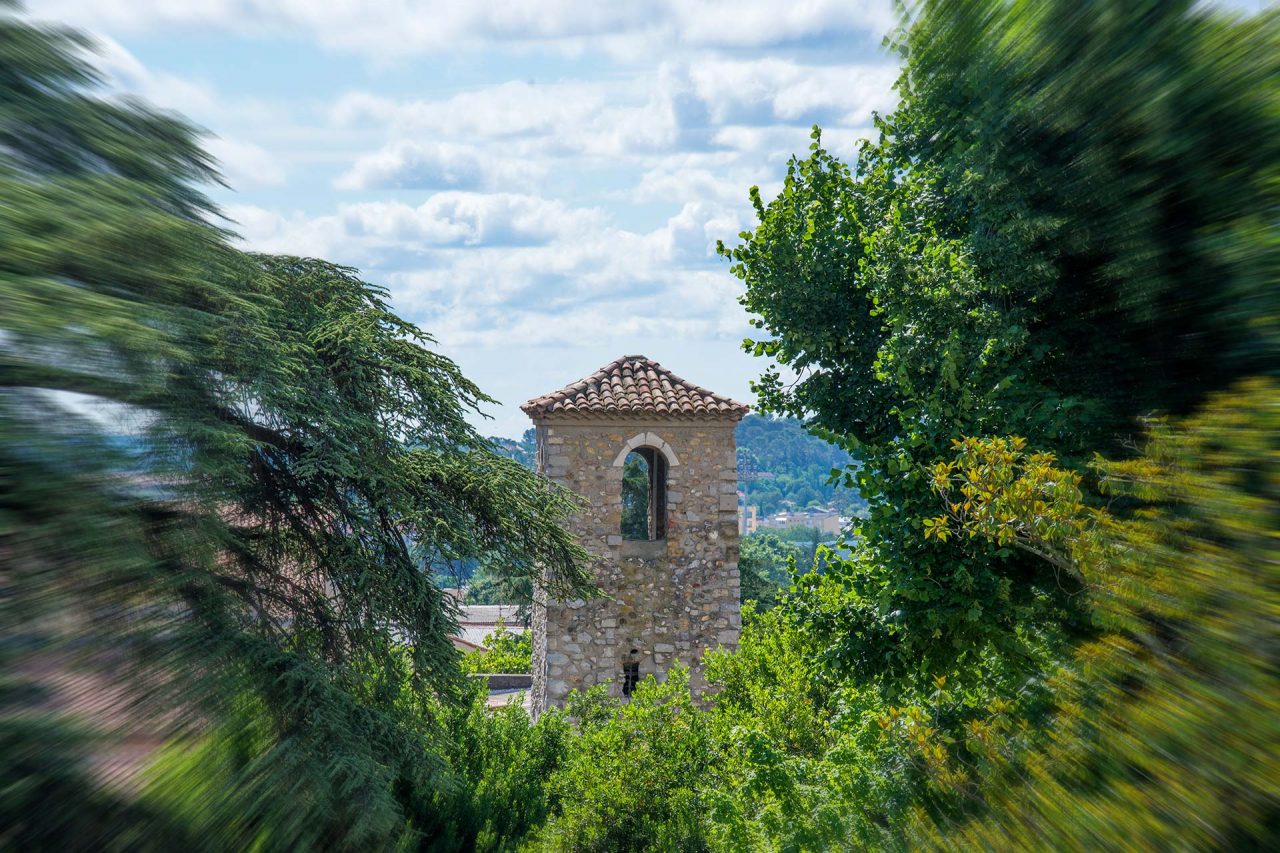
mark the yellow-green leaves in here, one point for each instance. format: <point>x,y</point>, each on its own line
<point>993,488</point>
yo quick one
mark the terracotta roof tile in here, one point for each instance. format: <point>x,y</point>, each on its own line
<point>634,385</point>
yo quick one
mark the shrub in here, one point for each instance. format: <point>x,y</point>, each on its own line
<point>633,777</point>
<point>503,761</point>
<point>505,651</point>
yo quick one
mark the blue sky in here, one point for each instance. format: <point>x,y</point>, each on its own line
<point>539,185</point>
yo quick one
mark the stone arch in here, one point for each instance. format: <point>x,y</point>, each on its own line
<point>646,439</point>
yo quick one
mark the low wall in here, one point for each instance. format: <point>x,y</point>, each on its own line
<point>507,680</point>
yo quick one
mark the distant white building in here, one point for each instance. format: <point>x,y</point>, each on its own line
<point>828,521</point>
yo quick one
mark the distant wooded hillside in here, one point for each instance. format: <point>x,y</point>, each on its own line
<point>782,466</point>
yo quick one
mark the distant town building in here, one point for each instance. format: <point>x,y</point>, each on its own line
<point>828,521</point>
<point>666,557</point>
<point>477,621</point>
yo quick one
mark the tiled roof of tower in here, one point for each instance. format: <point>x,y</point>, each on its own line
<point>634,385</point>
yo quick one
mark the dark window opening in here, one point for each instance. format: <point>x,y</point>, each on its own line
<point>644,495</point>
<point>630,677</point>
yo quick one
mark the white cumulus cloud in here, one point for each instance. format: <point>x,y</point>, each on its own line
<point>406,164</point>
<point>244,164</point>
<point>542,175</point>
<point>383,30</point>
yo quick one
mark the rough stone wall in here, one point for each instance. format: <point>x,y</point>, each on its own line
<point>668,600</point>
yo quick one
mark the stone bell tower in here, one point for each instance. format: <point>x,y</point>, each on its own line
<point>655,460</point>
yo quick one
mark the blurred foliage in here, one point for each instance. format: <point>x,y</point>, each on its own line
<point>1062,229</point>
<point>505,651</point>
<point>303,453</point>
<point>42,762</point>
<point>491,792</point>
<point>1166,725</point>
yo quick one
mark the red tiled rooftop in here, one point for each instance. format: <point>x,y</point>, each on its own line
<point>634,385</point>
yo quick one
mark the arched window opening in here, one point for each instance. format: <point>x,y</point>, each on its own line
<point>644,495</point>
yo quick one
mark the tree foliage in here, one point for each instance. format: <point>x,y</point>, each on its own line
<point>505,651</point>
<point>635,497</point>
<point>633,778</point>
<point>1165,724</point>
<point>765,566</point>
<point>996,490</point>
<point>1060,229</point>
<point>303,452</point>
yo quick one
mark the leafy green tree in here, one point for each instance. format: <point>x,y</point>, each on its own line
<point>633,777</point>
<point>506,651</point>
<point>503,762</point>
<point>299,452</point>
<point>1029,251</point>
<point>1059,230</point>
<point>774,734</point>
<point>997,490</point>
<point>490,584</point>
<point>765,564</point>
